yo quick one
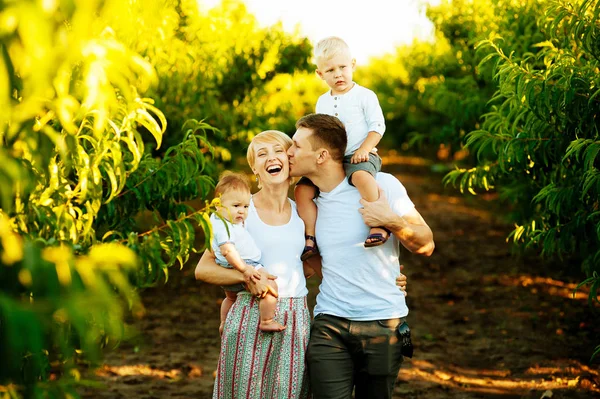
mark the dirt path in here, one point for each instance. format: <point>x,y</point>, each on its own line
<point>485,325</point>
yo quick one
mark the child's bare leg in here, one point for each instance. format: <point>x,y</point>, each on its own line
<point>227,303</point>
<point>267,307</point>
<point>307,210</point>
<point>369,191</point>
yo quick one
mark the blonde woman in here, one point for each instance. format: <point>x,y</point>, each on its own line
<point>255,364</point>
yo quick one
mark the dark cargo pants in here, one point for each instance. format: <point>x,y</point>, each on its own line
<point>344,354</point>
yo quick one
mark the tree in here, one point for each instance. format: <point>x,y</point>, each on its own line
<point>75,175</point>
<point>541,140</point>
<point>514,83</point>
<point>216,65</point>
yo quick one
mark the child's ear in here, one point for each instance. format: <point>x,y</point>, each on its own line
<point>353,63</point>
<point>320,74</point>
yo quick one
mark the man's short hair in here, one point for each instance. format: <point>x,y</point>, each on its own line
<point>329,47</point>
<point>232,181</point>
<point>328,132</point>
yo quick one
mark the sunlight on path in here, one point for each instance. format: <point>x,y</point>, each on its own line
<point>499,381</point>
<point>148,371</point>
<point>544,284</point>
<point>392,158</point>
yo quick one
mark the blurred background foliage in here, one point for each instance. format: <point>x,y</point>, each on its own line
<point>508,95</point>
<point>219,66</point>
<point>116,117</point>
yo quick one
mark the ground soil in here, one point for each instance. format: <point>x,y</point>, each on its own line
<point>485,323</point>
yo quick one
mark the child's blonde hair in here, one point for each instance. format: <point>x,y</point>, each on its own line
<point>330,47</point>
<point>232,181</point>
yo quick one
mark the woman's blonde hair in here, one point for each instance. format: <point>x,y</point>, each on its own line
<point>267,137</point>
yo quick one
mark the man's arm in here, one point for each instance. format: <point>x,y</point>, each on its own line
<point>312,267</point>
<point>410,229</point>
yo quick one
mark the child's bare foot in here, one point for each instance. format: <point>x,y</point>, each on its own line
<point>377,236</point>
<point>270,326</point>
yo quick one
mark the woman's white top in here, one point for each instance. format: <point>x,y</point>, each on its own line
<point>281,247</point>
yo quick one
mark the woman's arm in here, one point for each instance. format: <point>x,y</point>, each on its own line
<point>208,271</point>
<point>401,281</point>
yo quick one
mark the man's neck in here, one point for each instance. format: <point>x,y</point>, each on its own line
<point>328,178</point>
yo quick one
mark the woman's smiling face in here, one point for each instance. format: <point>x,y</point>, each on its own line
<point>267,157</point>
<point>271,163</point>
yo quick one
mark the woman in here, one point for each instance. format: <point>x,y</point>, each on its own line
<point>254,364</point>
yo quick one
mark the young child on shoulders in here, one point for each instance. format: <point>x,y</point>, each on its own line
<point>359,110</point>
<point>234,248</point>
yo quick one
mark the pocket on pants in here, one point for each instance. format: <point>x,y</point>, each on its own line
<point>390,324</point>
<point>383,348</point>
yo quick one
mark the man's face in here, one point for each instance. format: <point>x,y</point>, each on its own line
<point>303,159</point>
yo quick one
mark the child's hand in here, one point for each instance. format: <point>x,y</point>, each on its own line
<point>361,155</point>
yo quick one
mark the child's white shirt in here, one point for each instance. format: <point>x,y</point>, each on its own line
<point>237,235</point>
<point>359,111</point>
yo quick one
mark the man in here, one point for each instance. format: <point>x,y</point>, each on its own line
<point>354,340</point>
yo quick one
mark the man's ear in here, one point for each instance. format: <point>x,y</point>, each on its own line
<point>323,155</point>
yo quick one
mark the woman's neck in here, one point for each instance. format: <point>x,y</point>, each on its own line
<point>272,197</point>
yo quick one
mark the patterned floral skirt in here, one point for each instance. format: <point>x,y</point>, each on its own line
<point>253,364</point>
